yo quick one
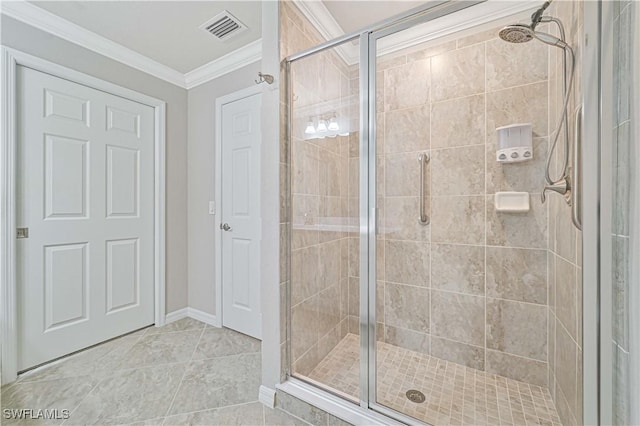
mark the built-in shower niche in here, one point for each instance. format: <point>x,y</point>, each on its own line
<point>465,305</point>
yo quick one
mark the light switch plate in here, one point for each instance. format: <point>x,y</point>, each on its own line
<point>212,207</point>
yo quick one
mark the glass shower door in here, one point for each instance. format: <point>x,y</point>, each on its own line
<point>324,176</point>
<point>410,292</point>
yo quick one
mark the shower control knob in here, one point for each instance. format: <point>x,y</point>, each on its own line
<point>503,156</point>
<point>514,155</point>
<point>527,154</point>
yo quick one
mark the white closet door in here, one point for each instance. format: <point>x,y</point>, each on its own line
<point>85,193</point>
<point>241,213</point>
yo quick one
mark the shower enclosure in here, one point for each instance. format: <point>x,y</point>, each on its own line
<point>410,289</point>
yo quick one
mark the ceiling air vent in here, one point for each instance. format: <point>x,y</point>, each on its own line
<point>224,26</point>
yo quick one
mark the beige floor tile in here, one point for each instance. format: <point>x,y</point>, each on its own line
<point>454,394</point>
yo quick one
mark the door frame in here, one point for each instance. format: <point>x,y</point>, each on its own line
<point>10,60</point>
<point>220,102</point>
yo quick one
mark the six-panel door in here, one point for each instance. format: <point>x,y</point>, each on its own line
<point>86,193</point>
<point>241,210</point>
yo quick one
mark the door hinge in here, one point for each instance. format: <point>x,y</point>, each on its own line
<point>22,233</point>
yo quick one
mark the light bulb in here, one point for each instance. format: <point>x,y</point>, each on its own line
<point>322,126</point>
<point>310,128</point>
<point>333,124</point>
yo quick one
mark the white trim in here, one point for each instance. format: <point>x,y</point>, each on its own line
<point>176,315</point>
<point>222,100</point>
<point>194,314</point>
<point>204,317</point>
<point>334,405</point>
<point>493,13</point>
<point>323,21</point>
<point>66,30</point>
<point>8,304</point>
<point>267,396</point>
<point>239,58</point>
<point>53,24</point>
<point>160,188</point>
<point>8,289</point>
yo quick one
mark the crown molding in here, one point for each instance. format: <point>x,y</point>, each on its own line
<point>66,30</point>
<point>323,21</point>
<point>489,12</point>
<point>245,55</point>
<point>481,17</point>
<point>53,24</point>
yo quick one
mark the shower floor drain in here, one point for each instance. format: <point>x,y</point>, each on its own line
<point>415,396</point>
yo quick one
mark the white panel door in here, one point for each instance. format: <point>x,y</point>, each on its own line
<point>241,214</point>
<point>85,191</point>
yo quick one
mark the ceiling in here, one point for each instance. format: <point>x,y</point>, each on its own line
<point>353,15</point>
<point>165,31</point>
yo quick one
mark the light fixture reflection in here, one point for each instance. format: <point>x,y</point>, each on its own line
<point>333,124</point>
<point>310,128</point>
<point>322,126</point>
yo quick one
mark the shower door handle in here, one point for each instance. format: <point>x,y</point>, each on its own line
<point>576,179</point>
<point>423,159</point>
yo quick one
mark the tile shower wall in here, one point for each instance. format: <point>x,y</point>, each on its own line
<point>492,291</point>
<point>471,287</point>
<point>565,242</point>
<point>318,188</point>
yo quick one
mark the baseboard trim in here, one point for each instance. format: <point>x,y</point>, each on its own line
<point>192,313</point>
<point>204,317</point>
<point>176,315</point>
<point>267,396</point>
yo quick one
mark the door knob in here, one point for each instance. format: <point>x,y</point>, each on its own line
<point>225,227</point>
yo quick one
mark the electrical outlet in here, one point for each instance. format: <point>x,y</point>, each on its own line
<point>212,207</point>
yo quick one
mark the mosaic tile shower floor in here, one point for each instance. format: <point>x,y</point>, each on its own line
<point>455,394</point>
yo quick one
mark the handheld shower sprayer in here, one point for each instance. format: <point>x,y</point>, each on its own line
<point>522,33</point>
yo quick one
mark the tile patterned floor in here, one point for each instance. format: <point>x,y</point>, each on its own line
<point>182,373</point>
<point>455,394</point>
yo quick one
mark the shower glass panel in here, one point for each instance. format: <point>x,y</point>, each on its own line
<point>324,108</point>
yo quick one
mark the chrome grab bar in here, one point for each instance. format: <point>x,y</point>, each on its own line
<point>576,178</point>
<point>423,159</point>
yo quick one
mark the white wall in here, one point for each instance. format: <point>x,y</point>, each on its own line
<point>30,40</point>
<point>270,201</point>
<point>201,188</point>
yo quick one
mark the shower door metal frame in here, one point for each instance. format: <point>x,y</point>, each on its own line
<point>368,217</point>
<point>592,211</point>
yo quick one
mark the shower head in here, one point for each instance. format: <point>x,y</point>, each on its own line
<point>517,33</point>
<point>520,33</point>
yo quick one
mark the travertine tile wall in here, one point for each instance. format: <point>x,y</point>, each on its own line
<point>318,208</point>
<point>624,28</point>
<point>565,241</point>
<point>471,287</point>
